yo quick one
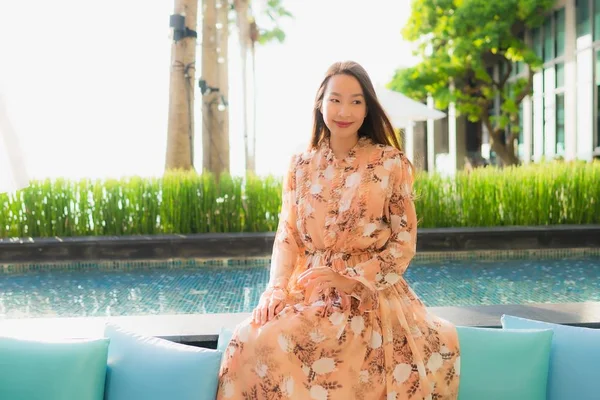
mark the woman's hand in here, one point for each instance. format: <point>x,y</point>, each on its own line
<point>271,303</point>
<point>322,278</point>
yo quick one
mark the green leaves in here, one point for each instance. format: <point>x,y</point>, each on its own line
<point>180,202</point>
<point>551,193</point>
<point>267,36</point>
<point>275,12</point>
<point>460,41</point>
<point>184,203</point>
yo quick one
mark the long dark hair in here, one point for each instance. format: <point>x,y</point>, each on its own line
<point>376,125</point>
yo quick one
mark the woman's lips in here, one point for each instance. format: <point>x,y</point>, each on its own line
<point>342,124</point>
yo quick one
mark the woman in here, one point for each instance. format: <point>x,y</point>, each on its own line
<point>338,320</point>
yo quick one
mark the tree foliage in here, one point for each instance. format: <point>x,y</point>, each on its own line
<point>275,13</point>
<point>459,42</point>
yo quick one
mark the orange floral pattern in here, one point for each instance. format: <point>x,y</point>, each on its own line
<point>357,217</point>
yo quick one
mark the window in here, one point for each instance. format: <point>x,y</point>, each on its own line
<point>548,40</point>
<point>559,30</point>
<point>596,19</point>
<point>597,144</point>
<point>521,139</point>
<point>560,75</point>
<point>560,125</point>
<point>582,17</point>
<point>537,42</point>
<point>537,139</point>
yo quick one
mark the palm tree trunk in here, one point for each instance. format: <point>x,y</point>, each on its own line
<point>221,134</point>
<point>243,25</point>
<point>181,93</point>
<point>251,157</point>
<point>210,101</point>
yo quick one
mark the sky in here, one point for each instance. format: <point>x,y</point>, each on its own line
<point>86,82</point>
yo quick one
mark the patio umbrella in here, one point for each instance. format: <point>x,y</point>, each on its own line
<point>13,175</point>
<point>404,112</point>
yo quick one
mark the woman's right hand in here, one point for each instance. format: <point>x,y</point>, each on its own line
<point>271,303</point>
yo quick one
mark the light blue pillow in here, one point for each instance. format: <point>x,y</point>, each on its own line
<point>574,358</point>
<point>52,370</point>
<point>149,368</point>
<point>497,364</point>
<point>224,339</point>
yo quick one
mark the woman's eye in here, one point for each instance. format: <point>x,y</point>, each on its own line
<point>334,100</point>
<point>358,102</point>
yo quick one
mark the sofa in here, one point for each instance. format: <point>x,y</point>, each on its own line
<point>524,360</point>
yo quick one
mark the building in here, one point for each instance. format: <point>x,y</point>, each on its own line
<point>561,119</point>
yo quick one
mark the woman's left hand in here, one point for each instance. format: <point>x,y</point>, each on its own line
<point>322,278</point>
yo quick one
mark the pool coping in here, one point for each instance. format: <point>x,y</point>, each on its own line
<point>203,329</point>
<point>249,245</point>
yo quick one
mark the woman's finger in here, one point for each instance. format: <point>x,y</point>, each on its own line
<point>310,284</point>
<point>279,308</point>
<point>264,314</point>
<point>271,310</point>
<point>318,291</point>
<point>254,320</point>
<point>310,277</point>
<point>311,272</point>
<point>305,275</point>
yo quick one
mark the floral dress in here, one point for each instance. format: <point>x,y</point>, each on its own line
<point>357,217</point>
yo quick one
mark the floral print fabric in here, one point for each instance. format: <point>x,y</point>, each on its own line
<point>357,217</point>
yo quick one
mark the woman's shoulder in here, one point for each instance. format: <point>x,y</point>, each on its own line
<point>386,152</point>
<point>300,158</point>
<point>304,156</point>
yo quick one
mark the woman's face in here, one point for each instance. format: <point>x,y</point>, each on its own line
<point>344,107</point>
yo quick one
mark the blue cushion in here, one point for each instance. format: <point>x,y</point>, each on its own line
<point>574,358</point>
<point>224,339</point>
<point>57,370</point>
<point>497,364</point>
<point>149,368</point>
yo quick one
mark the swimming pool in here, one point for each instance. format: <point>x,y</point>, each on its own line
<point>162,290</point>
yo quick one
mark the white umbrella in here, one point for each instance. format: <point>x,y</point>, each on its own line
<point>13,175</point>
<point>403,110</point>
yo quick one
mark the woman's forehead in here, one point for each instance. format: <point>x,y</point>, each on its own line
<point>344,85</point>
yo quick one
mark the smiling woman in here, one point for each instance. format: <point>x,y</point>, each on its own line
<point>338,319</point>
<point>12,169</point>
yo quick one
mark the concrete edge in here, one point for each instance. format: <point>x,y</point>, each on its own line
<point>205,328</point>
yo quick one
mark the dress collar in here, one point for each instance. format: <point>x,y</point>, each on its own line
<point>362,142</point>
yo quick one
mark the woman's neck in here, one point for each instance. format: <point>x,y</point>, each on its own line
<point>342,146</point>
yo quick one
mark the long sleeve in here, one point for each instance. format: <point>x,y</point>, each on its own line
<point>389,264</point>
<point>287,244</point>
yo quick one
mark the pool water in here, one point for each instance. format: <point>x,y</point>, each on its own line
<point>148,291</point>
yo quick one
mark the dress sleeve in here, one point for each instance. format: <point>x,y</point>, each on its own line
<point>288,243</point>
<point>388,265</point>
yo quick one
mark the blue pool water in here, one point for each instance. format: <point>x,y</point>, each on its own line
<point>157,290</point>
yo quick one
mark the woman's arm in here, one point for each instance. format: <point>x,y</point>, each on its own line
<point>286,247</point>
<point>387,267</point>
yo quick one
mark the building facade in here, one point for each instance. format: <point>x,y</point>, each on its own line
<point>561,119</point>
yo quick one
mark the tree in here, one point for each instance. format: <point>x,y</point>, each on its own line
<point>215,86</point>
<point>250,34</point>
<point>180,147</point>
<point>460,41</point>
<point>215,33</point>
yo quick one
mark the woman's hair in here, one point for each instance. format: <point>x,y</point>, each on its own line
<point>376,125</point>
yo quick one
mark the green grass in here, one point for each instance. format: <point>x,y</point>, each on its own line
<point>179,202</point>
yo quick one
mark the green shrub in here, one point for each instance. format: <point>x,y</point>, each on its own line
<point>180,202</point>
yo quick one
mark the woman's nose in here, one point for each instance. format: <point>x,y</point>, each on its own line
<point>344,111</point>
